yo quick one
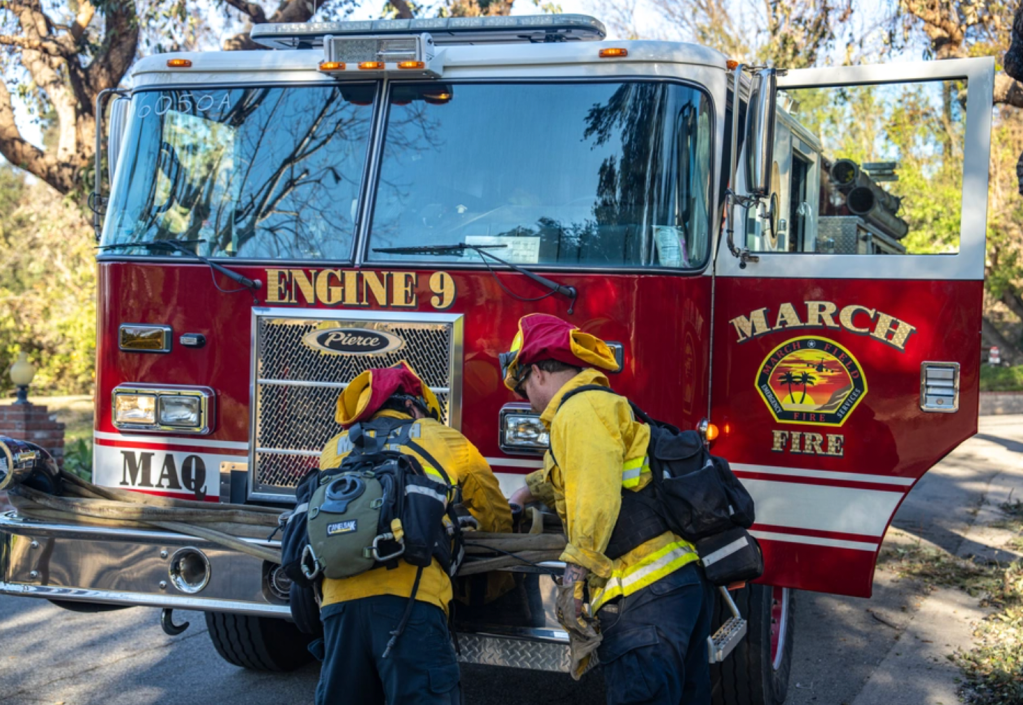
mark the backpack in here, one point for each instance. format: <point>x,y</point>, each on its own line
<point>698,497</point>
<point>378,507</point>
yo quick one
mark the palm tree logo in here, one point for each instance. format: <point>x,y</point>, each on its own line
<point>807,380</point>
<point>789,379</point>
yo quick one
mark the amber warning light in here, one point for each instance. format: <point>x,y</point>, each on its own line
<point>411,64</point>
<point>614,53</point>
<point>371,65</point>
<point>179,63</point>
<point>332,66</point>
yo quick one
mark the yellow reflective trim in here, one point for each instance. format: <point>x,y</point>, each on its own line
<point>652,568</point>
<point>634,463</point>
<point>632,471</point>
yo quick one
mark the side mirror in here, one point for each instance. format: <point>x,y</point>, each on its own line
<point>760,119</point>
<point>115,134</point>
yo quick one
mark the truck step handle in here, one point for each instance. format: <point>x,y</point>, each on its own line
<point>728,636</point>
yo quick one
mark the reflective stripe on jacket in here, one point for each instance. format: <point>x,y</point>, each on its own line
<point>481,495</point>
<point>597,449</point>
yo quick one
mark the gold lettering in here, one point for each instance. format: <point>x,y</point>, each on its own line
<point>403,289</point>
<point>821,313</point>
<point>797,442</point>
<point>848,314</point>
<point>278,290</point>
<point>899,334</point>
<point>375,284</point>
<point>301,281</point>
<point>835,445</point>
<point>751,327</point>
<point>780,438</point>
<point>326,293</point>
<point>351,289</point>
<point>787,318</point>
<point>443,287</point>
<point>812,443</point>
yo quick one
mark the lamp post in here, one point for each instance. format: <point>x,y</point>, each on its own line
<point>22,372</point>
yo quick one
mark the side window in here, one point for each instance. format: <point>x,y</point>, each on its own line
<point>865,169</point>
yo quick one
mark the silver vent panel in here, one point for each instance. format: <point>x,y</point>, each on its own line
<point>295,388</point>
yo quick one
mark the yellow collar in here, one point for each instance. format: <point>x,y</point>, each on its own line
<point>587,376</point>
<point>390,414</point>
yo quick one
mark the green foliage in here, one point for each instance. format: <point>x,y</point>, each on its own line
<point>47,287</point>
<point>995,378</point>
<point>78,458</point>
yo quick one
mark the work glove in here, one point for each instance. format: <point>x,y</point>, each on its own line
<point>583,634</point>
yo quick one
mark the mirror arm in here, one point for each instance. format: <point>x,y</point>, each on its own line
<point>731,197</point>
<point>96,200</point>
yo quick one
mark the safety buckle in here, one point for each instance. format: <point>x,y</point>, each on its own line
<point>375,550</point>
<point>310,564</point>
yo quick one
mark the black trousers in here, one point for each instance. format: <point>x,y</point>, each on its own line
<point>421,667</point>
<point>655,642</point>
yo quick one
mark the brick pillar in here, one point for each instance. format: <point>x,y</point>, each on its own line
<point>29,422</point>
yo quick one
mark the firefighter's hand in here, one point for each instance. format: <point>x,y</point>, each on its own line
<point>575,577</point>
<point>522,496</point>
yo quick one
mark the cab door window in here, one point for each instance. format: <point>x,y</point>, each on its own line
<point>865,170</point>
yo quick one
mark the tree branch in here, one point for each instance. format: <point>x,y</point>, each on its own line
<point>288,11</point>
<point>43,46</point>
<point>1008,91</point>
<point>86,11</point>
<point>27,156</point>
<point>251,10</point>
<point>404,11</point>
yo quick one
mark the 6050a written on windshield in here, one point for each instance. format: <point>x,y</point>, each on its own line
<point>257,173</point>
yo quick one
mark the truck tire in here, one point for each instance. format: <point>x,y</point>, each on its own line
<point>258,643</point>
<point>757,671</point>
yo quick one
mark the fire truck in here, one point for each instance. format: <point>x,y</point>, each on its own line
<point>790,261</point>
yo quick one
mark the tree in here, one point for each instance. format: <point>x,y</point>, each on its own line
<point>807,380</point>
<point>60,57</point>
<point>786,33</point>
<point>789,379</point>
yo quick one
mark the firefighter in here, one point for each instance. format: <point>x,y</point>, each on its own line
<point>360,613</point>
<point>645,586</point>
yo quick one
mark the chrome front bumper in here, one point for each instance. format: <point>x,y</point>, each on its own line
<point>131,567</point>
<point>125,567</point>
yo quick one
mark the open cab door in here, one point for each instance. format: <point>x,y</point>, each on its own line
<point>847,306</point>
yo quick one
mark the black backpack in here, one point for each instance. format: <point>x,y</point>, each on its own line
<point>699,498</point>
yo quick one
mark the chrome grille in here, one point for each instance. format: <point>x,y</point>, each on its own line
<point>295,388</point>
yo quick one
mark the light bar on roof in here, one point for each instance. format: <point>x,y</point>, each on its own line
<point>444,30</point>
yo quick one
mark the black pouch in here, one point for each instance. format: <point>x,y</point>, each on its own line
<point>296,536</point>
<point>730,557</point>
<point>425,507</point>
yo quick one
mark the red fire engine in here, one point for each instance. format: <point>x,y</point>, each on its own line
<point>775,255</point>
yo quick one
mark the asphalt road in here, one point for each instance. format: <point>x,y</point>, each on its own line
<point>49,655</point>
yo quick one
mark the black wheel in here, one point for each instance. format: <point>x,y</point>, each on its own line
<point>258,643</point>
<point>87,607</point>
<point>757,671</point>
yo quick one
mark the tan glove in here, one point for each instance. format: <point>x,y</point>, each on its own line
<point>583,634</point>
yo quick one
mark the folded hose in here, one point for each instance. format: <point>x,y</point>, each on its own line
<point>229,525</point>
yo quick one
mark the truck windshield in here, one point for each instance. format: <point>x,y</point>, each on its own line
<point>592,174</point>
<point>256,173</point>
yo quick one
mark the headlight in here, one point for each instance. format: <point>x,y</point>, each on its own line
<point>180,411</point>
<point>521,431</point>
<point>167,408</point>
<point>134,408</point>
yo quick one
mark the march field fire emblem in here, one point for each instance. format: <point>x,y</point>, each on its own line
<point>811,380</point>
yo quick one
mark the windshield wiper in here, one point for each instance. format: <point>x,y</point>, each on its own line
<point>555,288</point>
<point>175,246</point>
